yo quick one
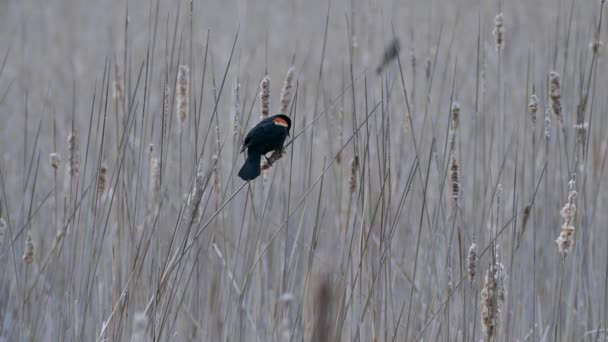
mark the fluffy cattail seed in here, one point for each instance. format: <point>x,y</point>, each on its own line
<point>286,91</point>
<point>352,183</point>
<point>533,109</point>
<point>492,297</point>
<point>555,93</point>
<point>548,123</point>
<point>28,252</point>
<point>265,97</point>
<point>182,102</point>
<point>565,241</point>
<point>499,31</point>
<point>472,262</point>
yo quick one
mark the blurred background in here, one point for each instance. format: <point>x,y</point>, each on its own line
<point>421,195</point>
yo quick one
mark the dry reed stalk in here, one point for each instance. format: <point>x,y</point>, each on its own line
<point>340,134</point>
<point>54,160</point>
<point>195,197</point>
<point>274,157</point>
<point>565,241</point>
<point>2,230</point>
<point>499,32</point>
<point>28,251</point>
<point>286,90</point>
<point>234,107</point>
<point>555,93</point>
<point>352,182</point>
<point>265,97</point>
<point>216,176</point>
<point>182,101</point>
<point>155,184</point>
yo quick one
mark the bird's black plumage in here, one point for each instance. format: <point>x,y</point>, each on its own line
<point>267,136</point>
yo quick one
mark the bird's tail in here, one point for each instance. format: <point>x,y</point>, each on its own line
<point>251,169</point>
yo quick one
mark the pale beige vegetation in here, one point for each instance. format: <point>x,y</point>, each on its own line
<point>455,194</point>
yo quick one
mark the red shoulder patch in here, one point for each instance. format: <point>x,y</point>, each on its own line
<point>281,122</point>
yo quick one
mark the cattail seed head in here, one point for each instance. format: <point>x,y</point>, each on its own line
<point>352,183</point>
<point>499,31</point>
<point>455,176</point>
<point>427,68</point>
<point>548,123</point>
<point>455,115</point>
<point>265,97</point>
<point>234,108</point>
<point>322,309</point>
<point>492,297</point>
<point>216,177</point>
<point>28,252</point>
<point>182,102</point>
<point>118,87</point>
<point>533,109</point>
<point>472,262</point>
<point>453,137</point>
<point>555,93</point>
<point>55,160</point>
<point>565,240</point>
<point>74,154</point>
<point>286,91</point>
<point>101,181</point>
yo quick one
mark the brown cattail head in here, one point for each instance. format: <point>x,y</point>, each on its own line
<point>265,97</point>
<point>182,102</point>
<point>274,157</point>
<point>427,68</point>
<point>74,154</point>
<point>499,31</point>
<point>472,262</point>
<point>555,93</point>
<point>390,52</point>
<point>2,230</point>
<point>28,252</point>
<point>101,181</point>
<point>322,309</point>
<point>286,91</point>
<point>455,115</point>
<point>565,241</point>
<point>352,183</point>
<point>533,109</point>
<point>54,160</point>
<point>455,176</point>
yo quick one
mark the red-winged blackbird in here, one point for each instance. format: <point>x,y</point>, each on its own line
<point>268,135</point>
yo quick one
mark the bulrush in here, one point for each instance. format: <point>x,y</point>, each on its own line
<point>565,240</point>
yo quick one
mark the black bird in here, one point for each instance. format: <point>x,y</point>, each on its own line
<point>268,135</point>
